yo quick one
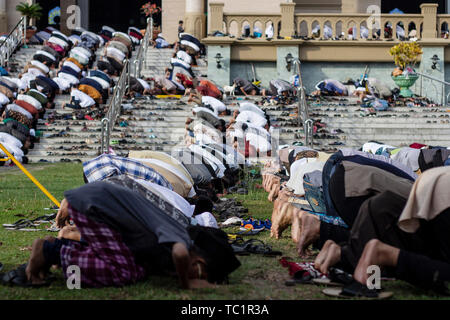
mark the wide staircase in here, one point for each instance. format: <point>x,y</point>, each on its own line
<point>159,124</point>
<point>398,126</point>
<point>158,60</point>
<point>67,138</point>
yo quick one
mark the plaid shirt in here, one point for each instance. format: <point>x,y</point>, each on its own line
<point>105,260</point>
<point>106,166</point>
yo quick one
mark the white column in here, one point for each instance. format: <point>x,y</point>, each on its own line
<point>195,20</point>
<point>195,6</point>
<point>3,17</point>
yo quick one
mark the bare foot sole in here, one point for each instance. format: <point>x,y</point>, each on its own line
<point>375,253</point>
<point>310,232</point>
<point>320,259</point>
<point>333,257</point>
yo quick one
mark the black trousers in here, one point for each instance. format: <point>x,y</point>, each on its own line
<point>429,270</point>
<point>424,258</point>
<point>347,207</point>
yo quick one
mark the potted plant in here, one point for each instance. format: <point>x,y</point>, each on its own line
<point>406,56</point>
<point>29,11</point>
<point>149,10</point>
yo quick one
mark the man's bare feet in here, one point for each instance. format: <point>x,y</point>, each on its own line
<point>333,257</point>
<point>296,224</point>
<point>274,192</point>
<point>375,253</point>
<point>320,259</point>
<point>35,270</point>
<point>310,232</point>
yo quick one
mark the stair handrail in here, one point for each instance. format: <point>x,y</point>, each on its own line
<point>12,41</point>
<point>303,109</point>
<point>141,55</point>
<point>115,105</point>
<point>444,84</point>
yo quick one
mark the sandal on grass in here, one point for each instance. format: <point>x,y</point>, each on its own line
<point>18,278</point>
<point>336,278</point>
<point>18,223</point>
<point>357,290</point>
<point>239,248</point>
<point>258,247</point>
<point>306,278</point>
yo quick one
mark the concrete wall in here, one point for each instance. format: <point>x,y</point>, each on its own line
<point>265,71</point>
<point>12,14</point>
<point>318,6</point>
<point>172,12</point>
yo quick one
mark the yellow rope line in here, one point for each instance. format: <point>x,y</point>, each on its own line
<point>28,174</point>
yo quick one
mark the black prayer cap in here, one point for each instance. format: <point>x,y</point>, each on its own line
<point>219,255</point>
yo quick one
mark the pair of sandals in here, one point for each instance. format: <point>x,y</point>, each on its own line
<point>253,246</point>
<point>18,278</point>
<point>30,225</point>
<point>342,285</point>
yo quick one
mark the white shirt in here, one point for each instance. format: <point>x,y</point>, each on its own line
<point>115,53</point>
<point>183,55</point>
<point>206,219</point>
<point>170,196</point>
<point>203,138</point>
<point>3,99</point>
<point>210,158</point>
<point>40,65</point>
<point>252,117</point>
<point>85,100</point>
<point>214,134</point>
<point>35,72</point>
<point>62,83</point>
<point>103,83</point>
<point>48,55</point>
<point>10,140</point>
<point>35,103</point>
<point>21,85</point>
<point>259,142</point>
<point>69,78</point>
<point>144,84</point>
<point>305,166</point>
<point>372,147</point>
<point>82,50</point>
<point>72,65</point>
<point>269,31</point>
<point>198,109</point>
<point>217,105</point>
<point>248,106</point>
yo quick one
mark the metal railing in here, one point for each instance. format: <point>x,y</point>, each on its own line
<point>114,107</point>
<point>303,110</point>
<point>444,98</point>
<point>121,88</point>
<point>15,39</point>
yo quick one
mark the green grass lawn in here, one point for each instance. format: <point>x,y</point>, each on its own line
<point>258,277</point>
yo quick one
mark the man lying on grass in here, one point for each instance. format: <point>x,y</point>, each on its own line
<point>118,237</point>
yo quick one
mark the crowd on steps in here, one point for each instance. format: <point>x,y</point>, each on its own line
<point>61,65</point>
<point>152,212</point>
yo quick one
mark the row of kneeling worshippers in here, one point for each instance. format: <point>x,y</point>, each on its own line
<point>248,132</point>
<point>61,64</point>
<point>380,205</point>
<point>148,214</point>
